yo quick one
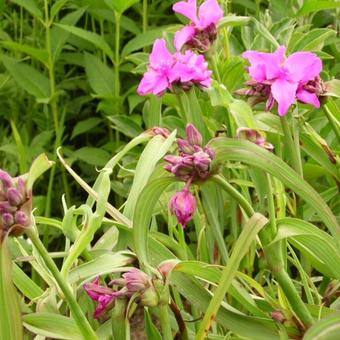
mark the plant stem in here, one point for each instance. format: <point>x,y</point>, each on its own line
<point>145,16</point>
<point>246,206</point>
<point>77,313</point>
<point>335,124</point>
<point>165,322</point>
<point>292,146</point>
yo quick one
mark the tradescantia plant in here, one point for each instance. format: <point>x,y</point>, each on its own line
<point>212,210</point>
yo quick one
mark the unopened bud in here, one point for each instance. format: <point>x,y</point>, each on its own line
<point>7,220</point>
<point>193,135</point>
<point>161,131</point>
<point>149,297</point>
<point>21,218</point>
<point>185,146</point>
<point>6,179</point>
<point>183,205</point>
<point>136,280</point>
<point>5,207</point>
<point>14,197</point>
<point>278,316</point>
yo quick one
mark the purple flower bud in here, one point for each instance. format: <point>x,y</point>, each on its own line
<point>104,296</point>
<point>6,179</point>
<point>185,146</point>
<point>5,207</point>
<point>14,197</point>
<point>161,131</point>
<point>7,220</point>
<point>193,135</point>
<point>254,136</point>
<point>21,218</point>
<point>136,280</point>
<point>183,205</point>
<point>173,159</point>
<point>278,316</point>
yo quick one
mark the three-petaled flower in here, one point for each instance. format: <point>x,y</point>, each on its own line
<point>285,79</point>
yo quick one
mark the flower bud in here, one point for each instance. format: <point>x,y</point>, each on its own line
<point>14,197</point>
<point>149,297</point>
<point>278,316</point>
<point>5,207</point>
<point>254,136</point>
<point>136,280</point>
<point>183,205</point>
<point>6,179</point>
<point>21,218</point>
<point>185,146</point>
<point>164,132</point>
<point>193,135</point>
<point>7,220</point>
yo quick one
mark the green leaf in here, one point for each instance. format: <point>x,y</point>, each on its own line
<point>121,6</point>
<point>242,114</point>
<point>153,152</point>
<point>311,6</point>
<point>313,242</point>
<point>152,112</point>
<point>233,20</point>
<point>94,38</point>
<point>333,88</point>
<point>29,78</point>
<point>126,125</point>
<point>253,155</point>
<point>40,165</point>
<point>92,156</point>
<point>10,320</point>
<point>56,7</point>
<point>262,30</point>
<point>37,53</point>
<point>30,6</point>
<point>151,330</point>
<point>313,40</point>
<point>85,126</point>
<point>100,76</point>
<point>50,325</point>
<point>327,328</point>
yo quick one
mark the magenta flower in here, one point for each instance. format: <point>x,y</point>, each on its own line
<point>167,70</point>
<point>104,297</point>
<point>287,78</point>
<point>159,76</point>
<point>202,30</point>
<point>183,205</point>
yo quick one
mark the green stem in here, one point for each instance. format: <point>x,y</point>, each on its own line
<point>246,206</point>
<point>77,313</point>
<point>164,318</point>
<point>145,16</point>
<point>117,55</point>
<point>292,146</point>
<point>335,124</point>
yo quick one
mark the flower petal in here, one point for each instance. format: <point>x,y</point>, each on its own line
<point>308,97</point>
<point>160,54</point>
<point>265,66</point>
<point>153,82</point>
<point>187,8</point>
<point>303,66</point>
<point>209,13</point>
<point>183,36</point>
<point>284,92</point>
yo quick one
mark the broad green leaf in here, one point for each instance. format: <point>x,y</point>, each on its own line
<point>10,320</point>
<point>327,328</point>
<point>233,20</point>
<point>262,30</point>
<point>313,242</point>
<point>57,6</point>
<point>37,53</point>
<point>313,40</point>
<point>253,155</point>
<point>100,76</point>
<point>59,36</point>
<point>333,88</point>
<point>126,125</point>
<point>31,6</point>
<point>151,330</point>
<point>121,6</point>
<point>40,165</point>
<point>24,283</point>
<point>151,155</point>
<point>91,155</point>
<point>53,326</point>
<point>243,114</point>
<point>85,126</point>
<point>94,38</point>
<point>29,78</point>
<point>152,112</point>
<point>140,41</point>
<point>311,6</point>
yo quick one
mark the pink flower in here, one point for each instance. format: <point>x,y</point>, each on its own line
<point>104,296</point>
<point>136,280</point>
<point>166,70</point>
<point>183,205</point>
<point>157,79</point>
<point>287,77</point>
<point>202,30</point>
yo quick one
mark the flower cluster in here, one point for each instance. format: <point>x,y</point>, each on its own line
<point>133,281</point>
<point>15,205</point>
<point>202,31</point>
<point>276,78</point>
<point>168,70</point>
<point>192,164</point>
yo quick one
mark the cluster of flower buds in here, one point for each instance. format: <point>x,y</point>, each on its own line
<point>15,205</point>
<point>194,160</point>
<point>254,136</point>
<point>134,281</point>
<point>202,30</point>
<point>192,164</point>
